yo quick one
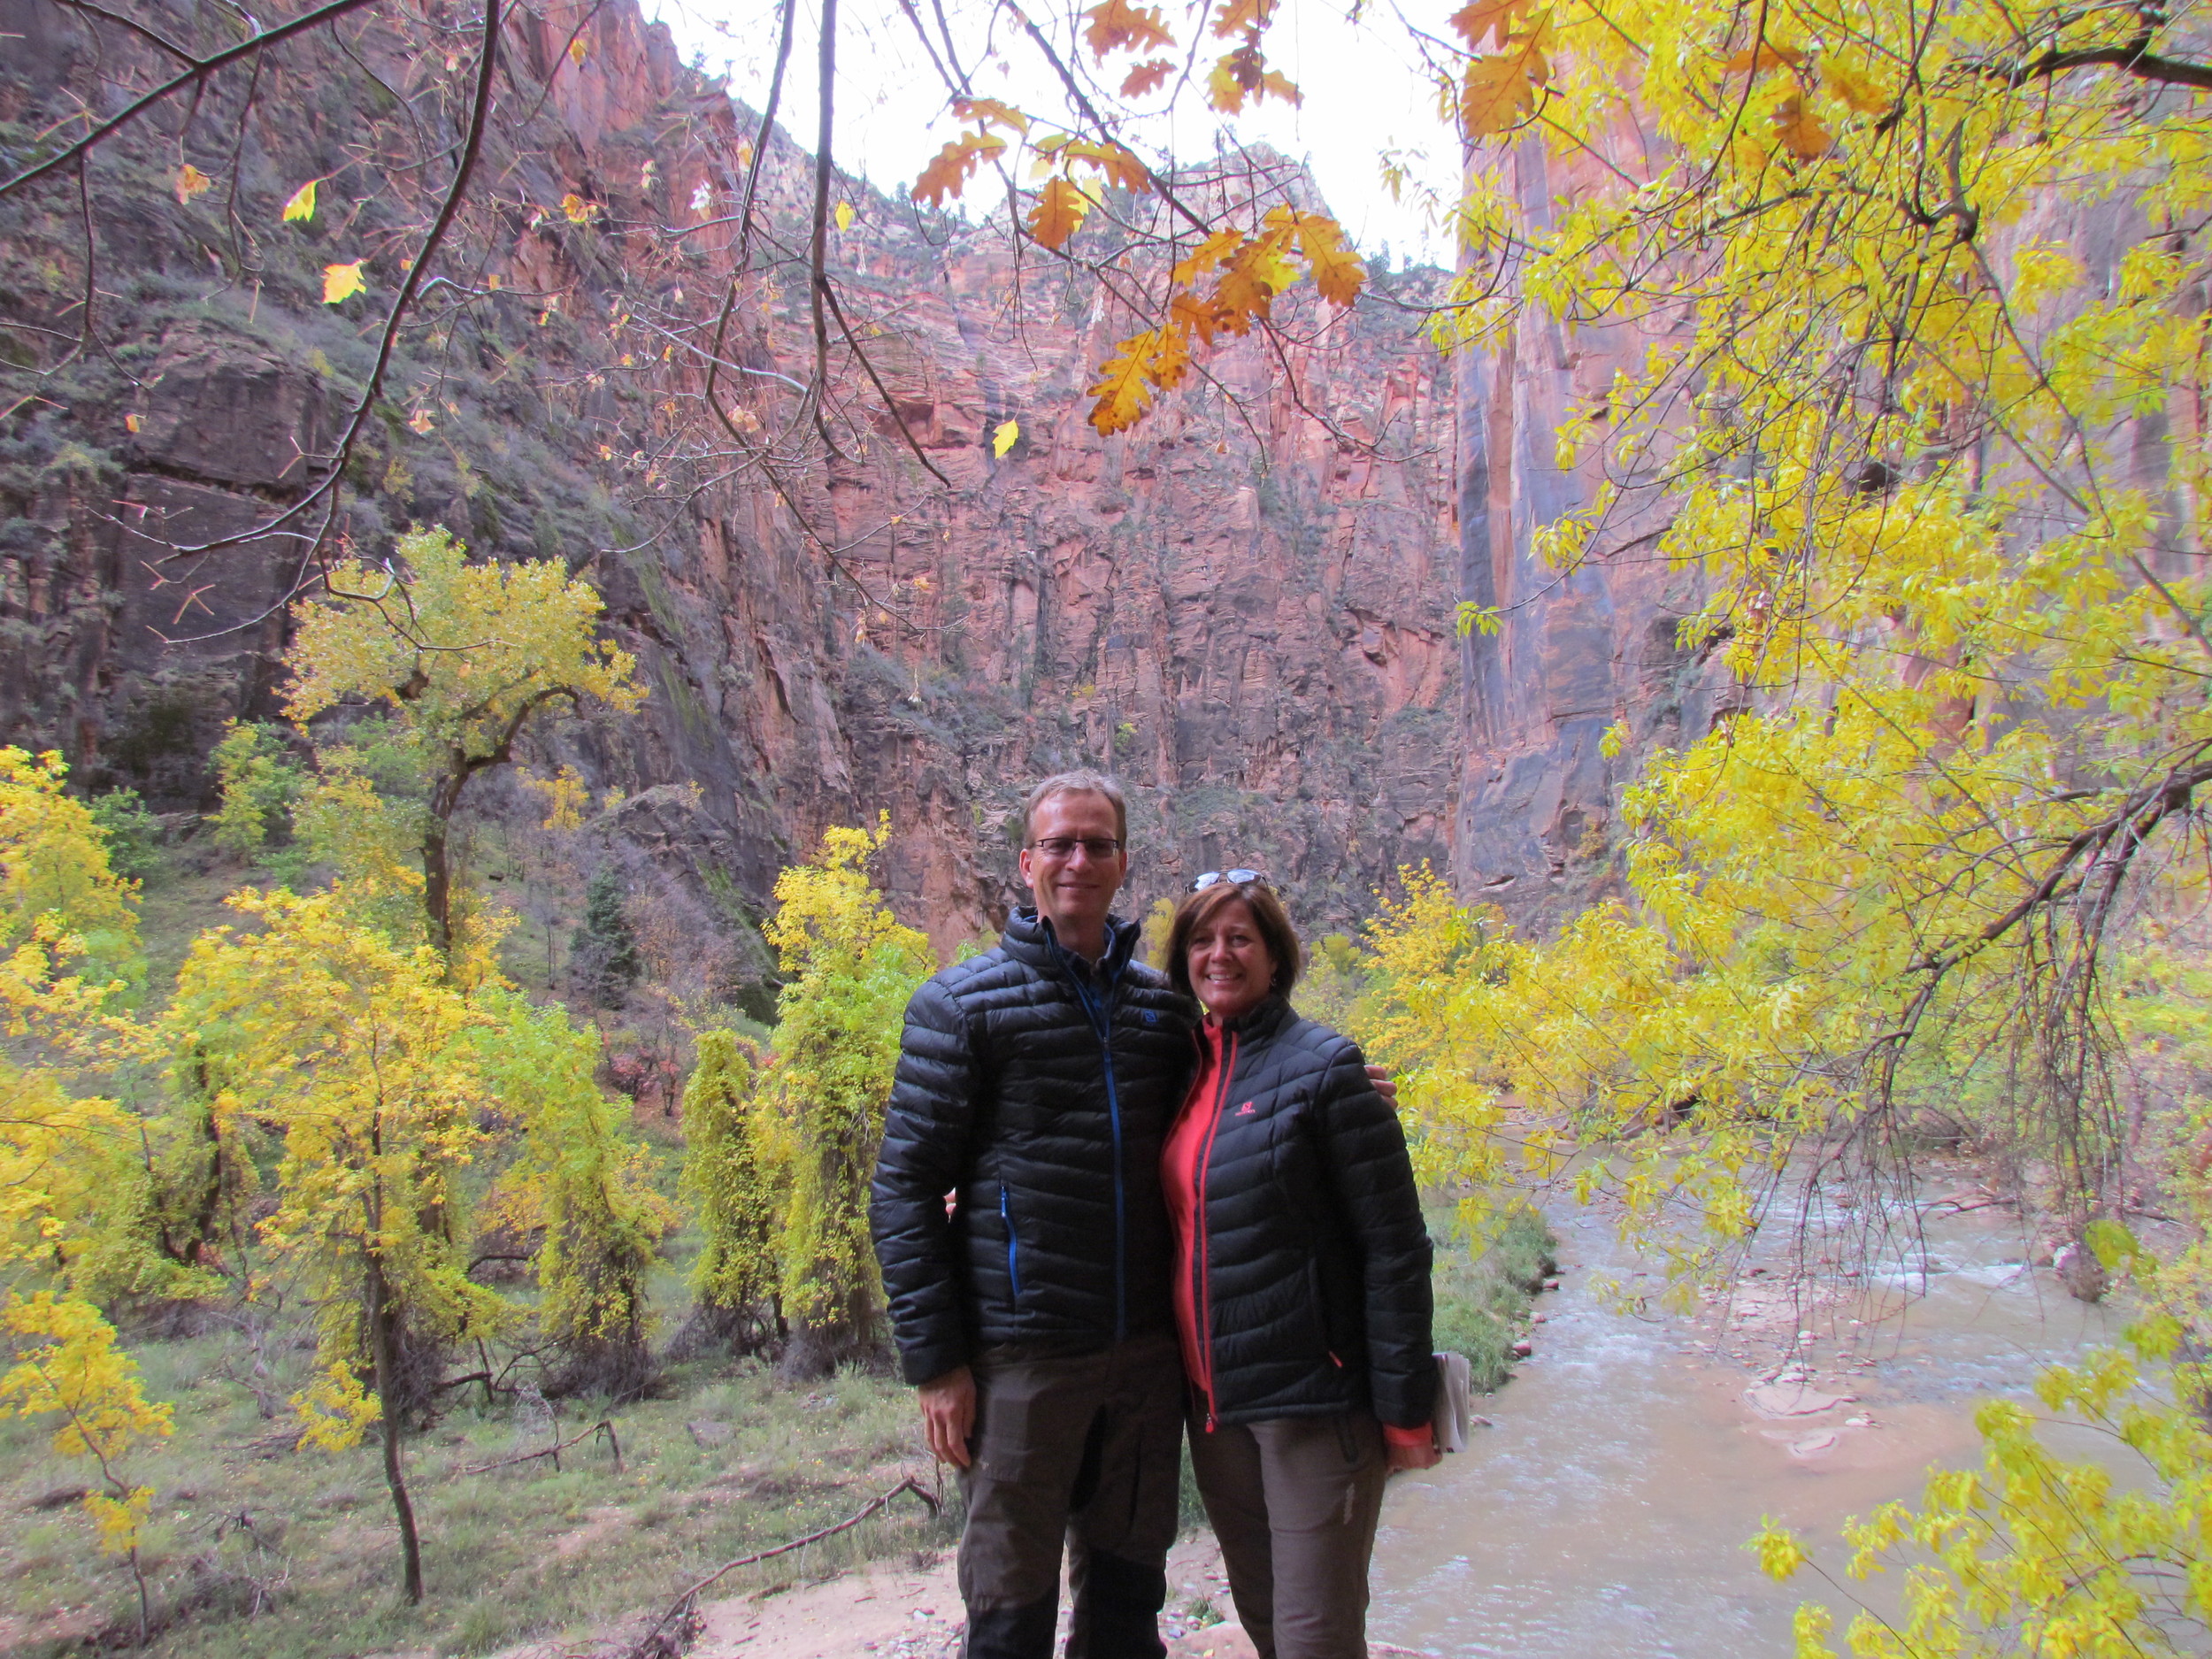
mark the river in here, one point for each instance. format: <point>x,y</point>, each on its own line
<point>1605,1512</point>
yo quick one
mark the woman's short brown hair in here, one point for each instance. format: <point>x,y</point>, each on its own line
<point>1269,919</point>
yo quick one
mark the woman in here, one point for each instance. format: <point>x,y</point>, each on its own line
<point>1303,1291</point>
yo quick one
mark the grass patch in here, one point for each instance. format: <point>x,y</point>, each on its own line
<point>1484,1288</point>
<point>260,1549</point>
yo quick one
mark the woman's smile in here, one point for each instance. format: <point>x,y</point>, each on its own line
<point>1228,962</point>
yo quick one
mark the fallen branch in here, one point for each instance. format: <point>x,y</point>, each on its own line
<point>555,1450</point>
<point>661,1642</point>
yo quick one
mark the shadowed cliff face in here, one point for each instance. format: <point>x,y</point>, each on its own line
<point>1242,609</point>
<point>1576,652</point>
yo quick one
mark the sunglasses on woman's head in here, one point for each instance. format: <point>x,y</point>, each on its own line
<point>1238,878</point>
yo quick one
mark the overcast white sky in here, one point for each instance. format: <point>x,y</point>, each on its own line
<point>1364,95</point>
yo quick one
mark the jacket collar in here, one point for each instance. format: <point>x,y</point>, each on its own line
<point>1262,1020</point>
<point>1029,939</point>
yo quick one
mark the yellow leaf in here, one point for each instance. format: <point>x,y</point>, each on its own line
<point>577,51</point>
<point>341,281</point>
<point>1116,24</point>
<point>1008,433</point>
<point>1210,253</point>
<point>1224,90</point>
<point>578,210</point>
<point>131,423</point>
<point>1059,213</point>
<point>845,216</point>
<point>190,181</point>
<point>1146,78</point>
<point>301,206</point>
<point>1857,95</point>
<point>420,422</point>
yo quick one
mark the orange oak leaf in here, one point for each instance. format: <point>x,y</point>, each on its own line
<point>1059,213</point>
<point>1125,388</point>
<point>1479,19</point>
<point>1765,55</point>
<point>949,170</point>
<point>1338,272</point>
<point>190,181</point>
<point>990,113</point>
<point>1209,254</point>
<point>1146,78</point>
<point>1239,17</point>
<point>1802,135</point>
<point>1499,90</point>
<point>1117,26</point>
<point>1857,95</point>
<point>1121,165</point>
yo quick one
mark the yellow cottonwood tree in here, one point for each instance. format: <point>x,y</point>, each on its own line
<point>357,1052</point>
<point>854,967</point>
<point>461,657</point>
<point>734,1191</point>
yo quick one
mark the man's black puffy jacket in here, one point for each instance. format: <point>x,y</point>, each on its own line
<point>1310,1274</point>
<point>1037,1091</point>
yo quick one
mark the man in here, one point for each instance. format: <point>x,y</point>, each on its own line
<point>1035,1085</point>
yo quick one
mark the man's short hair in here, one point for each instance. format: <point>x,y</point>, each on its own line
<point>1081,781</point>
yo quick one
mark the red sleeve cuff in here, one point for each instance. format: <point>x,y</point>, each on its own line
<point>1423,1436</point>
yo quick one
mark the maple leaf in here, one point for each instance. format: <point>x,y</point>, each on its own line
<point>949,169</point>
<point>1765,55</point>
<point>420,423</point>
<point>1481,18</point>
<point>1059,213</point>
<point>1240,16</point>
<point>1209,254</point>
<point>1338,272</point>
<point>1802,132</point>
<point>340,281</point>
<point>577,210</point>
<point>189,183</point>
<point>1498,91</point>
<point>1117,26</point>
<point>991,112</point>
<point>1004,437</point>
<point>301,206</point>
<point>1146,78</point>
<point>1121,165</point>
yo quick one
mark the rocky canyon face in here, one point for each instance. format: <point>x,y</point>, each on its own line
<point>1243,608</point>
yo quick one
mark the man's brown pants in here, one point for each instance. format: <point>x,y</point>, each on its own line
<point>1084,1448</point>
<point>1294,1502</point>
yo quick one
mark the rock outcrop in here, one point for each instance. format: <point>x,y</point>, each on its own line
<point>1243,608</point>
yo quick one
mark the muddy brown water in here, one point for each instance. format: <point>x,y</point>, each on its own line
<point>1606,1510</point>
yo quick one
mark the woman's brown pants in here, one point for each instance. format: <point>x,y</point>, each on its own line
<point>1294,1502</point>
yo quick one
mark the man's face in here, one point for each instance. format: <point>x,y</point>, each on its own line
<point>1074,890</point>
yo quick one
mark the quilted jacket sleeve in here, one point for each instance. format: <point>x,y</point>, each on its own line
<point>926,1155</point>
<point>1382,1213</point>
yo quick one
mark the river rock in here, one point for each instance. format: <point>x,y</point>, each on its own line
<point>1791,1400</point>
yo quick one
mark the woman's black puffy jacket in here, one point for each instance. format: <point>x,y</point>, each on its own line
<point>1310,1270</point>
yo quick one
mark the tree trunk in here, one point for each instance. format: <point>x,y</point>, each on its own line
<point>383,1321</point>
<point>437,887</point>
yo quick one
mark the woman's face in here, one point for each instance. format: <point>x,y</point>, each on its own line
<point>1228,964</point>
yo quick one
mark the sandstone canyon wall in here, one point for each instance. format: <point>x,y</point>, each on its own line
<point>1242,608</point>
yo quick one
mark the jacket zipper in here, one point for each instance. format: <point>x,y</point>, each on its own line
<point>1204,1264</point>
<point>1013,1261</point>
<point>1103,1023</point>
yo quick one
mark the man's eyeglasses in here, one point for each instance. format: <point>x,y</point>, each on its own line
<point>1101,848</point>
<point>1240,878</point>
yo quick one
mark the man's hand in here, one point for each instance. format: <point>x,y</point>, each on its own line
<point>948,1414</point>
<point>1422,1456</point>
<point>1386,1086</point>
